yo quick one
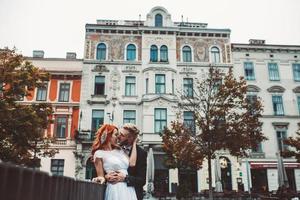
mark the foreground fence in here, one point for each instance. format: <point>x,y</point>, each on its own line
<point>17,183</point>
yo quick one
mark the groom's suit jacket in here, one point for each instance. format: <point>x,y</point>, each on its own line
<point>137,174</point>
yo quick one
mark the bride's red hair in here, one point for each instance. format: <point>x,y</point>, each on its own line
<point>97,144</point>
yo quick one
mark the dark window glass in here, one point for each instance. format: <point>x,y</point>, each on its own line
<point>57,167</point>
<point>186,54</point>
<point>61,127</point>
<point>164,53</point>
<point>153,53</point>
<point>101,52</point>
<point>129,116</point>
<point>160,84</point>
<point>131,52</point>
<point>160,119</point>
<point>158,20</point>
<point>188,87</point>
<point>41,94</point>
<point>99,85</point>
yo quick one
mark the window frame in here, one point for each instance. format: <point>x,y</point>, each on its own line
<point>45,90</point>
<point>296,73</point>
<point>131,86</point>
<point>160,85</point>
<point>162,122</point>
<point>280,99</point>
<point>99,85</point>
<point>94,125</point>
<point>153,53</point>
<point>273,73</point>
<point>58,171</point>
<point>215,55</point>
<point>100,50</point>
<point>127,119</point>
<point>186,86</point>
<point>164,53</point>
<point>158,22</point>
<point>187,57</point>
<point>131,52</point>
<point>248,78</point>
<point>62,90</point>
<point>58,127</point>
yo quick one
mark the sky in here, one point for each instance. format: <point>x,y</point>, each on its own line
<point>58,26</point>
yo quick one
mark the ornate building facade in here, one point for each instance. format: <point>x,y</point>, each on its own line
<point>133,71</point>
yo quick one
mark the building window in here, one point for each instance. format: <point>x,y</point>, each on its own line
<point>129,86</point>
<point>215,55</point>
<point>99,85</point>
<point>298,100</point>
<point>296,72</point>
<point>129,116</point>
<point>160,119</point>
<point>281,136</point>
<point>188,87</point>
<point>273,72</point>
<point>160,84</point>
<point>64,91</point>
<point>158,20</point>
<point>277,105</point>
<point>186,54</point>
<point>147,85</point>
<point>249,71</point>
<point>57,167</point>
<point>97,120</point>
<point>61,127</point>
<point>153,53</point>
<point>251,98</point>
<point>131,52</point>
<point>189,120</point>
<point>257,148</point>
<point>41,94</point>
<point>101,51</point>
<point>164,53</point>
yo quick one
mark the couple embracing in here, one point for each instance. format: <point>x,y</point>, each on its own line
<point>120,162</point>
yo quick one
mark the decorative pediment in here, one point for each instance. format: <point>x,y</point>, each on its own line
<point>296,89</point>
<point>252,88</point>
<point>100,68</point>
<point>276,89</point>
<point>280,125</point>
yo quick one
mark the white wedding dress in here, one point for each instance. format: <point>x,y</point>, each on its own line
<point>116,160</point>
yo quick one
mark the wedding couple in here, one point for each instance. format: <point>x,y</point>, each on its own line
<point>120,162</point>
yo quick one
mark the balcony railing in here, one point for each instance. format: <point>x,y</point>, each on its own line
<point>18,183</point>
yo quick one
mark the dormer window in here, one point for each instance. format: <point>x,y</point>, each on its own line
<point>158,20</point>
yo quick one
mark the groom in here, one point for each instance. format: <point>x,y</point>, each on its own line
<point>136,175</point>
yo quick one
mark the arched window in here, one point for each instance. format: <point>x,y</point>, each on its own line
<point>131,52</point>
<point>215,55</point>
<point>158,20</point>
<point>101,51</point>
<point>153,53</point>
<point>186,54</point>
<point>164,53</point>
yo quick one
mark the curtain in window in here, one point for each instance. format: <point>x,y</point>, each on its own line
<point>273,72</point>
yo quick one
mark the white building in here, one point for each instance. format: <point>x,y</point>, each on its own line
<point>132,72</point>
<point>273,74</point>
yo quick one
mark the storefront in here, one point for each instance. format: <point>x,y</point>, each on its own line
<point>264,176</point>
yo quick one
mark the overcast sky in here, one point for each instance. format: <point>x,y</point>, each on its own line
<point>58,26</point>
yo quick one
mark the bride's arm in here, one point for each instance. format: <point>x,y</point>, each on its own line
<point>100,171</point>
<point>132,159</point>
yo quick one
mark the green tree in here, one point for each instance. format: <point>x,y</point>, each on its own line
<point>22,125</point>
<point>225,119</point>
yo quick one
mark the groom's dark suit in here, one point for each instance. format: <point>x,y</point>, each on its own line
<point>137,174</point>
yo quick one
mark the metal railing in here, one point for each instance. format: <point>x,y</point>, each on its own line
<point>18,183</point>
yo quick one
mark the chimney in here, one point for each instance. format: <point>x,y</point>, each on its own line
<point>71,55</point>
<point>38,54</point>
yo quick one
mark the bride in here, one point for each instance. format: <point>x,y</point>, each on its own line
<point>109,157</point>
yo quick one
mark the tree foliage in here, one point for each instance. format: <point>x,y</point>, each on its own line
<point>293,142</point>
<point>225,119</point>
<point>22,125</point>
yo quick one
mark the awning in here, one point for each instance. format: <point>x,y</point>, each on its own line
<point>264,165</point>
